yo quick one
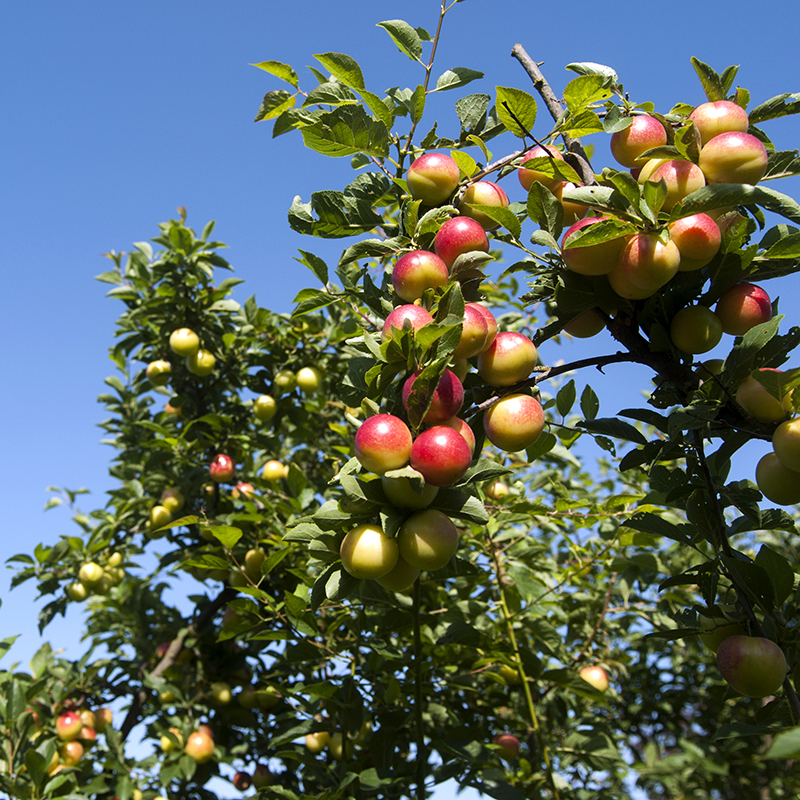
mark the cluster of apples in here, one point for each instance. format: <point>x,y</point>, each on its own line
<point>337,745</point>
<point>199,743</point>
<point>77,732</point>
<point>96,579</point>
<point>183,342</point>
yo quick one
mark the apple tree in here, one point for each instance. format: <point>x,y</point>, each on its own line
<point>368,547</point>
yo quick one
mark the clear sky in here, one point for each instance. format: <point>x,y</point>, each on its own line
<point>116,113</point>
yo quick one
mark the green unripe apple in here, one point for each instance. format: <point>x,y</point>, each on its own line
<point>284,381</point>
<point>90,574</point>
<point>317,741</point>
<point>695,329</point>
<point>401,577</point>
<point>201,363</point>
<point>718,629</point>
<point>184,342</point>
<point>776,482</point>
<point>265,408</point>
<point>159,516</point>
<point>221,692</point>
<point>786,443</point>
<point>159,372</point>
<point>752,665</point>
<point>514,422</point>
<point>428,540</point>
<point>367,552</point>
<point>253,561</point>
<point>400,492</point>
<point>309,379</point>
<point>77,591</point>
<point>172,500</point>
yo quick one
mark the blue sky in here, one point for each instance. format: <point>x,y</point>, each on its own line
<point>116,113</point>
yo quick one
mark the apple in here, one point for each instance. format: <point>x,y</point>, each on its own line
<point>644,133</point>
<point>200,746</point>
<point>115,559</point>
<point>201,363</point>
<point>508,746</point>
<point>497,490</point>
<point>786,443</point>
<point>90,574</point>
<point>261,776</point>
<point>595,676</point>
<point>265,407</point>
<point>457,236</point>
<point>441,454</point>
<point>383,443</point>
<point>719,628</point>
<point>317,741</point>
<point>462,427</point>
<point>400,492</point>
<point>511,358</point>
<point>221,692</point>
<point>172,411</point>
<point>752,665</point>
<point>103,718</point>
<point>695,329</point>
<point>338,749</point>
<point>222,468</point>
<point>648,262</point>
<point>70,753</point>
<point>474,333</point>
<point>491,322</point>
<point>417,317</point>
<point>273,471</point>
<point>253,561</point>
<point>367,552</point>
<point>720,116</point>
<point>68,726</point>
<point>427,540</point>
<point>172,500</point>
<point>401,577</point>
<point>284,381</point>
<point>759,403</point>
<point>483,193</point>
<point>309,379</point>
<point>620,283</point>
<point>88,719</point>
<point>460,366</point>
<point>417,271</point>
<point>698,239</point>
<point>733,157</point>
<point>514,422</point>
<point>572,211</point>
<point>184,342</point>
<point>268,698</point>
<point>432,178</point>
<point>77,591</point>
<point>527,177</point>
<point>587,324</point>
<point>681,178</point>
<point>87,736</point>
<point>171,741</point>
<point>247,697</point>
<point>448,397</point>
<point>159,372</point>
<point>242,781</point>
<point>742,307</point>
<point>159,516</point>
<point>593,259</point>
<point>777,483</point>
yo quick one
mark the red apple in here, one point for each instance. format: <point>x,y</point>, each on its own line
<point>648,262</point>
<point>753,666</point>
<point>698,238</point>
<point>527,177</point>
<point>70,753</point>
<point>242,781</point>
<point>491,323</point>
<point>759,403</point>
<point>733,157</point>
<point>595,676</point>
<point>87,736</point>
<point>593,259</point>
<point>508,746</point>
<point>482,193</point>
<point>222,468</point>
<point>742,307</point>
<point>776,482</point>
<point>184,342</point>
<point>441,455</point>
<point>400,492</point>
<point>511,358</point>
<point>644,133</point>
<point>695,329</point>
<point>681,178</point>
<point>417,271</point>
<point>68,726</point>
<point>200,746</point>
<point>474,333</point>
<point>427,540</point>
<point>457,236</point>
<point>383,443</point>
<point>462,426</point>
<point>417,316</point>
<point>717,629</point>
<point>432,178</point>
<point>514,422</point>
<point>243,490</point>
<point>448,397</point>
<point>367,552</point>
<point>720,116</point>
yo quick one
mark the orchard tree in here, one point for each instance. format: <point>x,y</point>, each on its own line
<point>397,560</point>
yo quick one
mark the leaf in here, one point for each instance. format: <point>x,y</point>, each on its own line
<point>602,231</point>
<point>585,90</point>
<point>779,106</point>
<point>225,534</point>
<point>722,195</point>
<point>590,405</point>
<point>516,110</point>
<point>471,112</point>
<point>343,67</point>
<point>345,131</point>
<point>752,578</point>
<point>279,70</point>
<point>316,265</point>
<point>712,84</point>
<point>456,78</point>
<point>274,104</point>
<point>785,745</point>
<point>780,572</point>
<point>502,216</point>
<point>545,209</point>
<point>404,36</point>
<point>590,68</point>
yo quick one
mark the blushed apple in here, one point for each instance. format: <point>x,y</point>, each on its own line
<point>441,455</point>
<point>427,540</point>
<point>222,468</point>
<point>733,157</point>
<point>417,271</point>
<point>649,262</point>
<point>462,427</point>
<point>593,259</point>
<point>511,358</point>
<point>200,746</point>
<point>457,236</point>
<point>483,193</point>
<point>68,726</point>
<point>742,307</point>
<point>681,178</point>
<point>432,178</point>
<point>595,676</point>
<point>508,746</point>
<point>474,333</point>
<point>514,422</point>
<point>720,116</point>
<point>527,177</point>
<point>752,665</point>
<point>644,133</point>
<point>417,317</point>
<point>383,443</point>
<point>242,781</point>
<point>698,239</point>
<point>448,397</point>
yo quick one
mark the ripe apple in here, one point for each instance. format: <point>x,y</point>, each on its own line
<point>527,177</point>
<point>508,746</point>
<point>417,317</point>
<point>427,540</point>
<point>648,262</point>
<point>572,211</point>
<point>511,358</point>
<point>367,552</point>
<point>457,236</point>
<point>221,692</point>
<point>742,307</point>
<point>759,403</point>
<point>441,454</point>
<point>172,411</point>
<point>400,492</point>
<point>483,193</point>
<point>159,372</point>
<point>491,322</point>
<point>695,329</point>
<point>261,776</point>
<point>77,591</point>
<point>681,178</point>
<point>87,736</point>
<point>201,363</point>
<point>644,133</point>
<point>172,499</point>
<point>309,379</point>
<point>448,397</point>
<point>184,342</point>
<point>273,471</point>
<point>595,676</point>
<point>68,726</point>
<point>401,577</point>
<point>317,741</point>
<point>462,427</point>
<point>417,271</point>
<point>720,116</point>
<point>474,333</point>
<point>242,781</point>
<point>752,665</point>
<point>733,157</point>
<point>777,483</point>
<point>621,284</point>
<point>593,259</point>
<point>200,746</point>
<point>432,178</point>
<point>514,422</point>
<point>698,238</point>
<point>159,516</point>
<point>284,381</point>
<point>90,574</point>
<point>70,753</point>
<point>103,718</point>
<point>786,443</point>
<point>222,468</point>
<point>265,407</point>
<point>587,324</point>
<point>383,443</point>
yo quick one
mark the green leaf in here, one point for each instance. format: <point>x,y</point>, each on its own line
<point>617,428</point>
<point>225,534</point>
<point>585,90</point>
<point>316,265</point>
<point>711,81</point>
<point>753,579</point>
<point>779,106</point>
<point>502,216</point>
<point>582,124</point>
<point>780,573</point>
<point>331,93</point>
<point>279,70</point>
<point>274,104</point>
<point>566,398</point>
<point>785,745</point>
<point>404,36</point>
<point>545,209</point>
<point>345,131</point>
<point>456,78</point>
<point>516,110</point>
<point>378,108</point>
<point>721,195</point>
<point>590,405</point>
<point>590,68</point>
<point>471,112</point>
<point>343,67</point>
<point>597,232</point>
